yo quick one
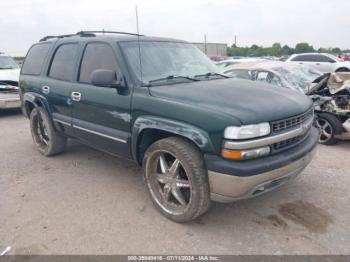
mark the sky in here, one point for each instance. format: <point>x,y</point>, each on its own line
<point>319,22</point>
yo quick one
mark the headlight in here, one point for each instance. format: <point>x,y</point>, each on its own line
<point>249,131</point>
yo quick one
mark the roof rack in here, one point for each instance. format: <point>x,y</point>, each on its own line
<point>87,34</point>
<point>83,33</point>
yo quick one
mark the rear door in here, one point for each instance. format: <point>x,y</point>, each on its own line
<point>30,77</point>
<point>101,115</point>
<point>58,83</point>
<point>304,60</point>
<point>325,64</point>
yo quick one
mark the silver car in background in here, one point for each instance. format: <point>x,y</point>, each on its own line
<point>9,75</point>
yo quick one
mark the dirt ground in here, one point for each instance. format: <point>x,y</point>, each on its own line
<point>87,202</point>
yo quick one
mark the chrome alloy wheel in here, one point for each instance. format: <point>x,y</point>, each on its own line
<point>169,184</point>
<point>42,131</point>
<point>326,130</point>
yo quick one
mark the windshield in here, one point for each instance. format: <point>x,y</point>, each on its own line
<point>298,75</point>
<point>163,59</point>
<point>7,62</point>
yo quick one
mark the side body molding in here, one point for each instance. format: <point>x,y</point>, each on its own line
<point>195,134</point>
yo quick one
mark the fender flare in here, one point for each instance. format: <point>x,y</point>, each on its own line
<point>193,133</point>
<point>36,100</point>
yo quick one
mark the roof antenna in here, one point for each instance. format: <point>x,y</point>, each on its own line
<point>138,39</point>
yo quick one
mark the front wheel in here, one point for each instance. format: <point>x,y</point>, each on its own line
<point>329,126</point>
<point>177,179</point>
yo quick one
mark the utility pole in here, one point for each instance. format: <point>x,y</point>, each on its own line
<point>205,44</point>
<point>235,40</point>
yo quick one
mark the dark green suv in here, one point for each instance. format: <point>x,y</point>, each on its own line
<point>199,135</point>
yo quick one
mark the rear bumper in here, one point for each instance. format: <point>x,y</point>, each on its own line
<point>10,101</point>
<point>230,180</point>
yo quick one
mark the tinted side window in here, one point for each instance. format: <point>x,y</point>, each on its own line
<point>35,59</point>
<point>298,58</point>
<point>323,58</point>
<point>305,58</point>
<point>62,65</point>
<point>96,56</point>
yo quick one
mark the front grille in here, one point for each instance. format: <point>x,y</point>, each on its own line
<point>285,144</point>
<point>10,86</point>
<point>280,125</point>
<point>9,82</point>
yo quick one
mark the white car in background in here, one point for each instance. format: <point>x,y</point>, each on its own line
<point>228,62</point>
<point>9,76</point>
<point>322,62</point>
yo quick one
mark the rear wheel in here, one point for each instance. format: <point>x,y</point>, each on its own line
<point>329,126</point>
<point>177,179</point>
<point>342,70</point>
<point>48,141</point>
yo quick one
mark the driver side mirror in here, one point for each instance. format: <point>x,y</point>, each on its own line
<point>106,78</point>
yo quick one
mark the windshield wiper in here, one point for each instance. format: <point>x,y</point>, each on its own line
<point>171,77</point>
<point>212,74</point>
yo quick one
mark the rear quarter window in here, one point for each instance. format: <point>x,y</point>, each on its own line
<point>35,58</point>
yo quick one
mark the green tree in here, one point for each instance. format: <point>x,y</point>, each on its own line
<point>336,50</point>
<point>324,50</point>
<point>303,48</point>
<point>287,50</point>
<point>276,49</point>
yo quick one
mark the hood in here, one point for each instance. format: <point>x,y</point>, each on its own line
<point>250,102</point>
<point>9,74</point>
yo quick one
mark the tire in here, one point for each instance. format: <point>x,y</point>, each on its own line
<point>342,70</point>
<point>177,179</point>
<point>48,141</point>
<point>329,126</point>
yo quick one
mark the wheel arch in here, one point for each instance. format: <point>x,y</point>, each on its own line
<point>334,121</point>
<point>342,69</point>
<point>32,100</point>
<point>149,129</point>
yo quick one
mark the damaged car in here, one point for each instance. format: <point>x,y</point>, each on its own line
<point>9,75</point>
<point>330,92</point>
<point>331,97</point>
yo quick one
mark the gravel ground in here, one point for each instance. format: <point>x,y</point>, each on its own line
<point>87,202</point>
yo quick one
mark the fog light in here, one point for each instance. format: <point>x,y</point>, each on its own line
<point>245,154</point>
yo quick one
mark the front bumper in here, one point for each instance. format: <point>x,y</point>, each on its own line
<point>235,180</point>
<point>8,101</point>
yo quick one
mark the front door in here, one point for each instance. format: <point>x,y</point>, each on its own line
<point>100,115</point>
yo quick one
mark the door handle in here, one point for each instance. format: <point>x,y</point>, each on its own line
<point>301,63</point>
<point>317,63</point>
<point>76,96</point>
<point>45,89</point>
